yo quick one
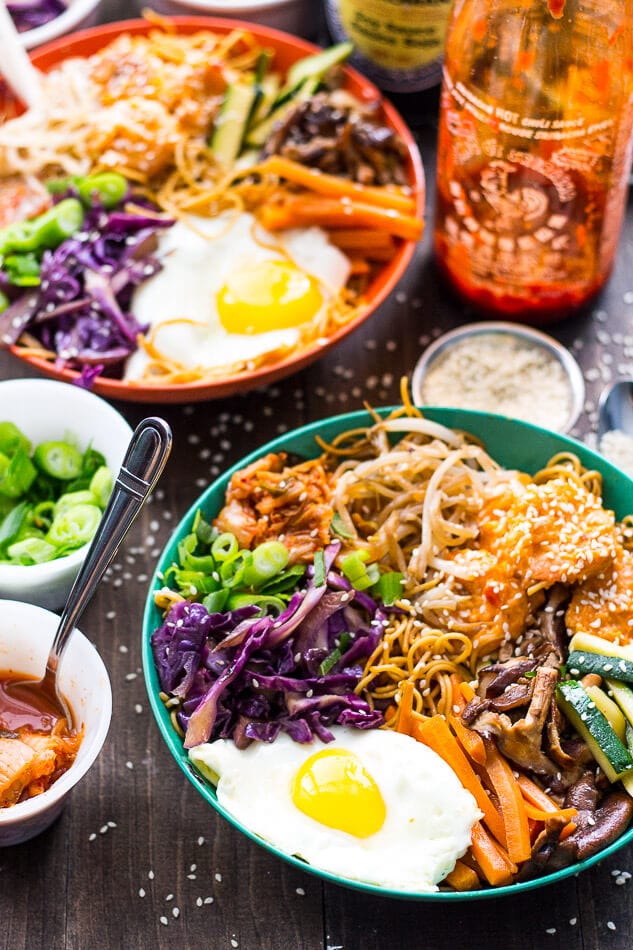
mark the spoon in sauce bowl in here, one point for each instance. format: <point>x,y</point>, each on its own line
<point>144,461</point>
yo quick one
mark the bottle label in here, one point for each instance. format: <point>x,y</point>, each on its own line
<point>398,44</point>
<point>533,201</point>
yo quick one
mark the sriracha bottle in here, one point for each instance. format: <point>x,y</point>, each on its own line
<point>534,152</point>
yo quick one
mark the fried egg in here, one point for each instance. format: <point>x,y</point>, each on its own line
<point>373,805</point>
<point>229,292</point>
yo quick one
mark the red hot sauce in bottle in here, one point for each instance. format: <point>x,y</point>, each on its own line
<point>534,152</point>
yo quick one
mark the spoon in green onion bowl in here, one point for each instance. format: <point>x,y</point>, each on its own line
<point>144,461</point>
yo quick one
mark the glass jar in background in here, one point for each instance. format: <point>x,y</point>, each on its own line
<point>534,152</point>
<point>398,44</point>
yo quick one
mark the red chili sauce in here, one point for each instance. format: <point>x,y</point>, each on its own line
<point>36,745</point>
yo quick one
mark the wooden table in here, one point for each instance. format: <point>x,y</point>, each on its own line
<point>138,859</point>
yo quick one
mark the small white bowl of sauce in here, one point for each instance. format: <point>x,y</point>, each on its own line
<point>26,634</point>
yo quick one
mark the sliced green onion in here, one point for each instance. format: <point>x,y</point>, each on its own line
<point>58,459</point>
<point>12,523</point>
<point>270,605</point>
<point>71,498</point>
<point>75,527</point>
<point>332,658</point>
<point>284,581</point>
<point>195,582</point>
<point>338,526</point>
<point>107,188</point>
<point>11,439</point>
<point>204,531</point>
<point>101,485</point>
<point>216,601</point>
<point>225,547</point>
<point>194,562</point>
<point>32,551</point>
<point>266,561</point>
<point>232,571</point>
<point>330,661</point>
<point>360,575</point>
<point>43,514</point>
<point>18,476</point>
<point>389,587</point>
<point>319,568</point>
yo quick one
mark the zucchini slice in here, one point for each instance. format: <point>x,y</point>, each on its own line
<point>232,121</point>
<point>610,710</point>
<point>609,752</point>
<point>590,643</point>
<point>579,662</point>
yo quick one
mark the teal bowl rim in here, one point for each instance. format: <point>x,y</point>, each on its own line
<point>511,435</point>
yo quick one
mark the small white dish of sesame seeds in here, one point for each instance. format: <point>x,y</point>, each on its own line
<point>502,367</point>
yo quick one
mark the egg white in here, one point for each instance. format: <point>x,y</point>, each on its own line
<point>429,814</point>
<point>197,259</point>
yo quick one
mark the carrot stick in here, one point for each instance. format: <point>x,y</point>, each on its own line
<point>467,691</point>
<point>537,814</point>
<point>435,733</point>
<point>471,740</point>
<point>535,795</point>
<point>332,185</point>
<point>357,239</point>
<point>568,830</point>
<point>329,213</point>
<point>358,266</point>
<point>511,803</point>
<point>462,878</point>
<point>494,862</point>
<point>405,718</point>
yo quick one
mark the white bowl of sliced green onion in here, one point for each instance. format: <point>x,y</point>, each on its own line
<point>60,449</point>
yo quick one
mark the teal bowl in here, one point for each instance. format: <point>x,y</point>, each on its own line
<point>513,444</point>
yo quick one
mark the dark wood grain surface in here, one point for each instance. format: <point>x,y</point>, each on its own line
<point>138,859</point>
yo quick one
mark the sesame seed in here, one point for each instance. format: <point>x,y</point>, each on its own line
<point>141,892</point>
<point>163,921</point>
<point>611,925</point>
<point>218,876</point>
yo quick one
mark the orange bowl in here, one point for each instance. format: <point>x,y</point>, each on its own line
<point>287,49</point>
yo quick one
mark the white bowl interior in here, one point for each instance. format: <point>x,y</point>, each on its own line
<point>45,409</point>
<point>26,634</point>
<point>79,13</point>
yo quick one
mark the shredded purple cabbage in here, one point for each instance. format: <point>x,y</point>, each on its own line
<point>29,14</point>
<point>250,677</point>
<point>80,310</point>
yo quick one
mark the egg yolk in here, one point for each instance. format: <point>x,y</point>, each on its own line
<point>334,788</point>
<point>271,295</point>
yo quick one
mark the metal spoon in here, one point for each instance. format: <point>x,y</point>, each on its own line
<point>15,66</point>
<point>144,461</point>
<point>615,407</point>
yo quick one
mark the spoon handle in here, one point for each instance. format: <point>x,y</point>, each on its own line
<point>144,461</point>
<point>15,65</point>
